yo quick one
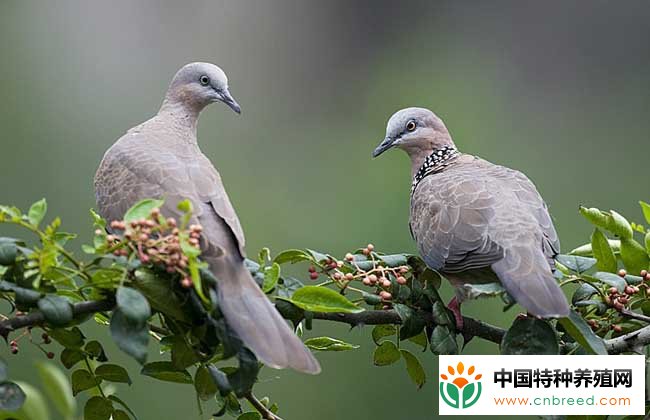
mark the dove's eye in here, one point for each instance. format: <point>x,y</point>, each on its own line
<point>204,80</point>
<point>410,126</point>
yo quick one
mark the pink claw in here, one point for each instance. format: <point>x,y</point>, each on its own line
<point>454,306</point>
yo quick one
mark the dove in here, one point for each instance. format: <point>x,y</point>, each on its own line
<point>474,221</point>
<point>161,158</point>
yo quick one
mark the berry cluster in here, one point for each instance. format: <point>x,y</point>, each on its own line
<point>13,344</point>
<point>378,275</point>
<point>156,241</point>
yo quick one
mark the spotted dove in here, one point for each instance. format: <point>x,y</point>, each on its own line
<point>474,221</point>
<point>160,158</point>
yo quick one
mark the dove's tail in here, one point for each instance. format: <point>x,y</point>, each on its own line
<point>254,318</point>
<point>526,275</point>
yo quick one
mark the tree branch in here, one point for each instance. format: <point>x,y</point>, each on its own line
<point>471,327</point>
<point>36,318</point>
<point>630,342</point>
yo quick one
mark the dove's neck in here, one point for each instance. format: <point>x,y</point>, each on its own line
<point>181,117</point>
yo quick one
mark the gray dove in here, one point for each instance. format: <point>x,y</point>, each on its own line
<point>474,221</point>
<point>160,158</point>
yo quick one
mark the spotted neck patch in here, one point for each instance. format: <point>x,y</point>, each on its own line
<point>433,163</point>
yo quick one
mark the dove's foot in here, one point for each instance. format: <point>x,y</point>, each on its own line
<point>454,307</point>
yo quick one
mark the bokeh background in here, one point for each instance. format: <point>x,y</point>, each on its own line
<point>559,90</point>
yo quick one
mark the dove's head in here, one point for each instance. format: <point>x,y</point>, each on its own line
<point>197,85</point>
<point>417,131</point>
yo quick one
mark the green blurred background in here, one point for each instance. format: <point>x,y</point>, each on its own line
<point>559,90</point>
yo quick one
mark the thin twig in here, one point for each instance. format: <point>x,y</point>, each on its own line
<point>471,327</point>
<point>257,404</point>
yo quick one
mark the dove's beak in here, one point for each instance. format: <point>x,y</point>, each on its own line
<point>227,99</point>
<point>385,145</point>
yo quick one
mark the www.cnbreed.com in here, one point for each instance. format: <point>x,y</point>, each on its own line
<point>541,385</point>
<point>559,401</point>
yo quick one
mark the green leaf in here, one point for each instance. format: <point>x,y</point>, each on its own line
<point>8,252</point>
<point>70,339</point>
<point>142,210</point>
<point>96,351</point>
<point>243,379</point>
<point>611,280</point>
<point>647,241</point>
<point>57,310</point>
<point>612,221</point>
<point>120,415</point>
<point>98,408</point>
<point>12,396</point>
<point>412,323</point>
<point>82,380</point>
<point>381,331</point>
<point>57,387</point>
<point>271,276</point>
<point>585,291</point>
<point>646,210</point>
<point>603,252</point>
<point>394,260</point>
<point>587,251</point>
<point>634,256</point>
<point>220,379</point>
<point>421,340</point>
<point>386,354</point>
<point>576,263</point>
<point>34,407</point>
<point>165,371</point>
<point>183,355</point>
<point>530,336</point>
<point>414,368</point>
<point>159,293</point>
<point>133,305</point>
<point>204,384</point>
<point>251,415</point>
<point>443,340</point>
<point>292,256</point>
<point>37,212</point>
<point>4,374</point>
<point>474,291</point>
<point>70,357</point>
<point>130,337</point>
<point>322,299</point>
<point>112,373</point>
<point>185,206</point>
<point>123,404</point>
<point>329,344</point>
<point>577,328</point>
<point>107,278</point>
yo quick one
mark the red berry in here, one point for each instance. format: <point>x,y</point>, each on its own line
<point>386,283</point>
<point>50,355</point>
<point>349,257</point>
<point>372,278</point>
<point>643,273</point>
<point>312,269</point>
<point>613,291</point>
<point>401,280</point>
<point>385,295</point>
<point>338,276</point>
<point>366,251</point>
<point>313,276</point>
<point>187,282</point>
<point>13,343</point>
<point>366,281</point>
<point>623,300</point>
<point>617,328</point>
<point>45,336</point>
<point>349,276</point>
<point>629,290</point>
<point>14,350</point>
<point>370,247</point>
<point>622,272</point>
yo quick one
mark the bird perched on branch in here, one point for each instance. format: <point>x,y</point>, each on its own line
<point>160,158</point>
<point>474,221</point>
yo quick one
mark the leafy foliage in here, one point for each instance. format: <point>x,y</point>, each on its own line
<point>144,279</point>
